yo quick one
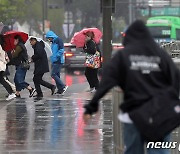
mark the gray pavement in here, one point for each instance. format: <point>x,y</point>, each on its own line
<point>54,125</point>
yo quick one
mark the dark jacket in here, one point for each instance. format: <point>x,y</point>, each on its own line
<point>20,55</point>
<point>91,47</point>
<point>40,58</point>
<point>141,69</point>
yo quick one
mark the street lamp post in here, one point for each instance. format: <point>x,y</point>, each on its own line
<point>130,12</point>
<point>44,16</point>
<point>68,17</point>
<point>106,6</point>
<point>150,10</point>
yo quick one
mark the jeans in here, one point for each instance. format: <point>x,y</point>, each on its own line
<point>19,78</point>
<point>92,78</point>
<point>134,143</point>
<point>55,74</point>
<point>39,81</point>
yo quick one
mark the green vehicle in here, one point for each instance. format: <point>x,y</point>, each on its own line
<point>164,28</point>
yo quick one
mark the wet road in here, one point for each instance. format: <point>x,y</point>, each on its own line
<point>54,125</point>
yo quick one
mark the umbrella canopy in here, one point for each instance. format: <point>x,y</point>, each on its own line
<point>30,50</point>
<point>79,37</point>
<point>9,39</point>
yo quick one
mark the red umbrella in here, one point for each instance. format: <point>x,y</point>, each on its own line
<point>79,37</point>
<point>9,39</point>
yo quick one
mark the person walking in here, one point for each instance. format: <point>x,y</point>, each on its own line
<point>19,55</point>
<point>143,71</point>
<point>40,66</point>
<point>3,61</point>
<point>4,29</point>
<point>91,74</point>
<point>7,73</point>
<point>57,60</point>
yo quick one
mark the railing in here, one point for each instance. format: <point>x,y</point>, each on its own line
<point>173,48</point>
<point>117,98</point>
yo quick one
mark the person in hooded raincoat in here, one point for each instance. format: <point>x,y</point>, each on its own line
<point>141,69</point>
<point>40,66</point>
<point>57,60</point>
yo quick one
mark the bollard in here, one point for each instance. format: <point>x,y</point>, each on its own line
<point>175,137</point>
<point>117,98</point>
<point>177,62</point>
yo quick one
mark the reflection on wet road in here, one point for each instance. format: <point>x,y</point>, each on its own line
<point>54,125</point>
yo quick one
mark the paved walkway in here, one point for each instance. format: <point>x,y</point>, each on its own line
<point>54,125</point>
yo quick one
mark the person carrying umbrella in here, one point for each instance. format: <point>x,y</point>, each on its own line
<point>57,60</point>
<point>88,38</point>
<point>90,48</point>
<point>40,66</point>
<point>3,61</point>
<point>3,30</point>
<point>19,55</point>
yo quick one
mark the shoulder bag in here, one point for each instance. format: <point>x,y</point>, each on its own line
<point>93,61</point>
<point>157,117</point>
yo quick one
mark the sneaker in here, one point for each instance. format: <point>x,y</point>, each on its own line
<point>38,96</point>
<point>18,96</point>
<point>59,92</point>
<point>62,91</point>
<point>92,90</point>
<point>38,99</point>
<point>89,90</point>
<point>53,90</point>
<point>31,92</point>
<point>11,96</point>
<point>65,89</point>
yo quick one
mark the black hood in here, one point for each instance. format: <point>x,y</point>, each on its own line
<point>41,43</point>
<point>137,32</point>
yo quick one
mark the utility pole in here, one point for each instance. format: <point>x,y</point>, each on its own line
<point>46,9</point>
<point>150,10</point>
<point>44,15</point>
<point>68,18</point>
<point>106,6</point>
<point>130,12</point>
<point>43,18</point>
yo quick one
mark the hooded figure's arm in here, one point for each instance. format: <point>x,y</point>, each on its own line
<point>60,47</point>
<point>60,44</point>
<point>112,76</point>
<point>60,52</point>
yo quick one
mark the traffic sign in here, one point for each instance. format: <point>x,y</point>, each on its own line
<point>68,29</point>
<point>175,11</point>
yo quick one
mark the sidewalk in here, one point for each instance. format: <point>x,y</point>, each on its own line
<point>54,125</point>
